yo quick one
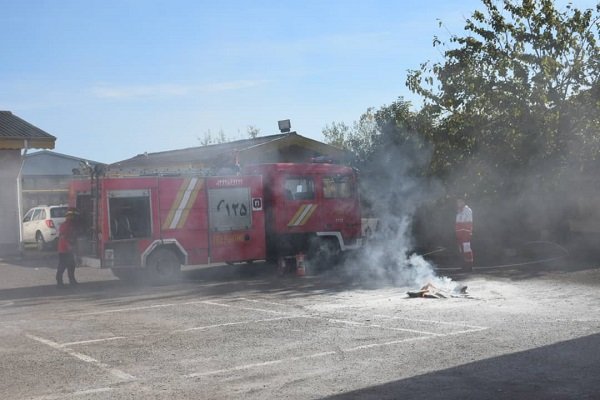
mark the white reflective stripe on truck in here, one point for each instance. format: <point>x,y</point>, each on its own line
<point>340,239</point>
<point>161,242</point>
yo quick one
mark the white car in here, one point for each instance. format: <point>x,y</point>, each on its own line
<point>41,223</point>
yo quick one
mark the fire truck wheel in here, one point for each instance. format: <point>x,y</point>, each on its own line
<point>323,253</point>
<point>163,266</point>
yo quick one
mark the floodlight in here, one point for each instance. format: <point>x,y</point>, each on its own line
<point>284,126</point>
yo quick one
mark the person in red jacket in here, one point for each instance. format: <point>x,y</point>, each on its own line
<point>464,232</point>
<point>66,241</point>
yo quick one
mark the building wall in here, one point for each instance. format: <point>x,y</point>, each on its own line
<point>10,162</point>
<point>45,189</point>
<point>46,177</point>
<point>49,163</point>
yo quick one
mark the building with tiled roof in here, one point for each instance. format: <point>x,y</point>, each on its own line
<point>284,147</point>
<point>16,136</point>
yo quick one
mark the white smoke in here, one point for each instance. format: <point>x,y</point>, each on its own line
<point>394,187</point>
<point>388,258</point>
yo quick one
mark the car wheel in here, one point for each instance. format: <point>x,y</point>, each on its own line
<point>163,266</point>
<point>40,242</point>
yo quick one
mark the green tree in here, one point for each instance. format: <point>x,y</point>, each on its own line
<point>359,138</point>
<point>381,131</point>
<point>390,147</point>
<point>518,91</point>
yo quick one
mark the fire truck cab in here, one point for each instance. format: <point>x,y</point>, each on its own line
<point>312,208</point>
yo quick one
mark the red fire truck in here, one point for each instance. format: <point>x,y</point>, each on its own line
<point>156,223</point>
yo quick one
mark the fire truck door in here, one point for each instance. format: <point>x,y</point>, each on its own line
<point>236,221</point>
<point>340,205</point>
<point>299,204</point>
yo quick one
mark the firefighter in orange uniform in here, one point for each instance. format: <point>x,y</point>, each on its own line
<point>464,231</point>
<point>66,240</point>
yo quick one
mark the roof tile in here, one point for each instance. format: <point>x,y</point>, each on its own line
<point>13,127</point>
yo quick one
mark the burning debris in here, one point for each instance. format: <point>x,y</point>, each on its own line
<point>430,291</point>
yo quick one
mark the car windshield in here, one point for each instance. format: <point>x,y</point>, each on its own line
<point>58,212</point>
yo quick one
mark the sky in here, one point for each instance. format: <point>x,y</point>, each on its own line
<point>112,79</point>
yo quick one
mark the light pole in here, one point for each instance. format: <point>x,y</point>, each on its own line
<point>20,197</point>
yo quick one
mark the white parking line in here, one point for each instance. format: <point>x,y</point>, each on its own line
<point>153,306</point>
<point>424,335</point>
<point>128,309</point>
<point>175,331</point>
<point>431,321</point>
<point>92,391</point>
<point>315,355</point>
<point>87,359</point>
<point>198,328</point>
<point>263,302</point>
<point>356,323</point>
<point>333,320</point>
<point>374,345</point>
<point>255,365</point>
<point>472,330</point>
<point>225,324</point>
<point>428,335</point>
<point>92,341</point>
<point>60,396</point>
<point>212,303</point>
<point>337,320</point>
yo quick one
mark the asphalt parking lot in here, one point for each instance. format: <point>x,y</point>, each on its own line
<point>243,332</point>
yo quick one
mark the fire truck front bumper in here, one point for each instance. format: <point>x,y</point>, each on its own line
<point>92,262</point>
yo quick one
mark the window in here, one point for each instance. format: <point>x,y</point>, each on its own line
<point>41,215</point>
<point>300,188</point>
<point>129,212</point>
<point>337,187</point>
<point>58,212</point>
<point>27,216</point>
<point>36,214</point>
